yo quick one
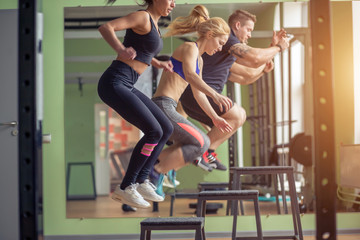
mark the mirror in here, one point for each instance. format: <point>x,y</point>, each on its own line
<point>98,142</point>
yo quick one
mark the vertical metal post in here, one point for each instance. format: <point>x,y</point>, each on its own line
<point>232,142</point>
<point>267,119</point>
<point>325,187</point>
<point>252,101</point>
<point>261,114</point>
<point>290,96</point>
<point>29,132</point>
<point>273,110</point>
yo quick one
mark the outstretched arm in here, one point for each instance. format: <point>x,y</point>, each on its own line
<point>255,57</point>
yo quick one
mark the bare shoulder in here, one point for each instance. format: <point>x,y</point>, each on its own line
<point>189,45</point>
<point>139,21</point>
<point>185,51</point>
<point>190,48</point>
<point>138,16</point>
<point>134,20</point>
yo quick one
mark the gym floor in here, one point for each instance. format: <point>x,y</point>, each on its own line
<point>105,207</point>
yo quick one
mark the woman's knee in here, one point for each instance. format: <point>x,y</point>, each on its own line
<point>155,134</point>
<point>168,129</point>
<point>161,131</point>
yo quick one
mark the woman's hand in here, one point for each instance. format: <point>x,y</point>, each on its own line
<point>222,124</point>
<point>166,65</point>
<point>127,53</point>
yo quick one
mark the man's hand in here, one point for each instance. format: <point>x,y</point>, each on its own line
<point>269,66</point>
<point>223,102</point>
<point>277,36</point>
<point>283,43</point>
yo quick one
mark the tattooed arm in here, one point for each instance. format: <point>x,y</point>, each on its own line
<point>255,57</point>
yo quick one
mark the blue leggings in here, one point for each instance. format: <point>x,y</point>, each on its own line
<point>116,89</point>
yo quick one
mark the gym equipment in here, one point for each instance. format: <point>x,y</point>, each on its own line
<point>183,223</point>
<point>300,149</point>
<point>275,170</point>
<point>235,196</point>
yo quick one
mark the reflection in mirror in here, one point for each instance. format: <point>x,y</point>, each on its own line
<point>98,142</point>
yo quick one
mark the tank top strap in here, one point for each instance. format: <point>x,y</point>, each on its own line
<point>152,22</point>
<point>197,61</point>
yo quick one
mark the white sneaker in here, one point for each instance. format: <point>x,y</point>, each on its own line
<point>167,182</point>
<point>147,190</point>
<point>130,196</point>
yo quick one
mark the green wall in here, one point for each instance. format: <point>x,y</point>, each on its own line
<point>80,135</point>
<point>55,221</point>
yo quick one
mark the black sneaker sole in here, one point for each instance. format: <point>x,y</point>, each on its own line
<point>218,166</point>
<point>205,167</point>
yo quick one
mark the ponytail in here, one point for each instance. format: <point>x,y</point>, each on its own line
<point>188,24</point>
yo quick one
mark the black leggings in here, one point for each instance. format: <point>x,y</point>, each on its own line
<point>116,89</point>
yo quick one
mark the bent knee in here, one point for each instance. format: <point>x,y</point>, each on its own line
<point>154,134</point>
<point>238,116</point>
<point>167,130</point>
<point>160,132</point>
<point>242,115</point>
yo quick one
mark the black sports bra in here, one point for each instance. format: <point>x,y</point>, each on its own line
<point>146,46</point>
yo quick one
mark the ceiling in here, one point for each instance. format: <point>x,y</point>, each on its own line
<point>97,15</point>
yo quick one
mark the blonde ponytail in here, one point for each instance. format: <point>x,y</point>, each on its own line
<point>188,24</point>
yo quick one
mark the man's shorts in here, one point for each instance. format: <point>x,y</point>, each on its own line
<point>193,109</point>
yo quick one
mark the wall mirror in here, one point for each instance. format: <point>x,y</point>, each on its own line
<point>98,142</point>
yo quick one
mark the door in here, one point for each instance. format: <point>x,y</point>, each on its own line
<point>9,178</point>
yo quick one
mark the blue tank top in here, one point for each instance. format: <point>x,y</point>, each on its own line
<point>146,46</point>
<point>177,67</point>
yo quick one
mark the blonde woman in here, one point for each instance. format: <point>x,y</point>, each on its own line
<point>190,142</point>
<point>246,64</point>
